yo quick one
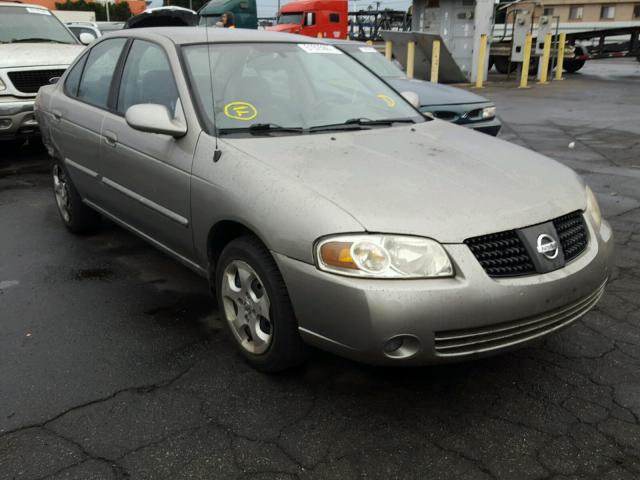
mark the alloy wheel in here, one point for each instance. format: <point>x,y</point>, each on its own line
<point>61,190</point>
<point>247,307</point>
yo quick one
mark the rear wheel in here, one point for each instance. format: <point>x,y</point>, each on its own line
<point>255,304</point>
<point>75,215</point>
<point>572,66</point>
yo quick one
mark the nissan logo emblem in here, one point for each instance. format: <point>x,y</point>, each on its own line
<point>547,246</point>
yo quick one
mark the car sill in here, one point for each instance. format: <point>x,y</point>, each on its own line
<point>185,261</point>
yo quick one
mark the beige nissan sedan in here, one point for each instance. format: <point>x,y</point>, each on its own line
<point>321,205</point>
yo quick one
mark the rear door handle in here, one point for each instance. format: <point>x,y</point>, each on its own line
<point>110,138</point>
<point>57,114</point>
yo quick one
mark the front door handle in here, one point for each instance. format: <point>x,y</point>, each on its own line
<point>57,114</point>
<point>110,138</point>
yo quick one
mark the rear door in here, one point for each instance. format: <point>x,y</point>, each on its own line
<point>77,114</point>
<point>150,174</point>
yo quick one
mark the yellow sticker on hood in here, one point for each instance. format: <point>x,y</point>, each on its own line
<point>240,111</point>
<point>386,99</point>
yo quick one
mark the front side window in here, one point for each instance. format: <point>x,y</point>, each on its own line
<point>31,24</point>
<point>98,72</point>
<point>608,12</point>
<point>291,85</point>
<point>310,19</point>
<point>147,78</point>
<point>285,18</point>
<point>575,12</point>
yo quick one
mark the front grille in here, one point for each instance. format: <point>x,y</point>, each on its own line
<point>454,343</point>
<point>29,81</point>
<point>504,255</point>
<point>445,115</point>
<point>572,234</point>
<point>501,254</point>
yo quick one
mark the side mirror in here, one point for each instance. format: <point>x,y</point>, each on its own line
<point>86,38</point>
<point>412,98</point>
<point>153,118</point>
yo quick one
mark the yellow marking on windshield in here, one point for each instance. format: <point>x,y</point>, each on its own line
<point>386,99</point>
<point>240,111</point>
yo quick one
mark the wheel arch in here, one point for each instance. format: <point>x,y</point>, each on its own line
<point>221,234</point>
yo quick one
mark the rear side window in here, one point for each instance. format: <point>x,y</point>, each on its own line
<point>73,79</point>
<point>147,78</point>
<point>98,72</point>
<point>334,17</point>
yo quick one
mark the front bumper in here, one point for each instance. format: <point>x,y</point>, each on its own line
<point>17,119</point>
<point>490,127</point>
<point>357,318</point>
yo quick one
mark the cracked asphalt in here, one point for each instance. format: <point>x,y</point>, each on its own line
<point>113,364</point>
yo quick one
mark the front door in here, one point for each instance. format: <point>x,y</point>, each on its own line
<point>149,174</point>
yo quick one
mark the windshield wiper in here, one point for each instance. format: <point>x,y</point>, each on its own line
<point>384,121</point>
<point>261,128</point>
<point>360,124</point>
<point>36,40</point>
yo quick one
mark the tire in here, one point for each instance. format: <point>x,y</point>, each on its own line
<point>502,65</point>
<point>255,306</point>
<point>76,216</point>
<point>572,66</point>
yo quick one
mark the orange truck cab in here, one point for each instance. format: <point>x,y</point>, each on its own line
<point>312,17</point>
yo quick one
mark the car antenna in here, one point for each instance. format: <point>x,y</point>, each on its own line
<point>217,153</point>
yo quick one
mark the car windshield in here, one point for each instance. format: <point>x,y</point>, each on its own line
<point>373,60</point>
<point>290,85</point>
<point>30,24</point>
<point>295,18</point>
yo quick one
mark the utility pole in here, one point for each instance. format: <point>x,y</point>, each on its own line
<point>107,5</point>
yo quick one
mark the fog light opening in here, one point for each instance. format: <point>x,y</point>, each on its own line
<point>401,346</point>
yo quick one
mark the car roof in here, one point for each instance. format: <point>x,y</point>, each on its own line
<point>201,34</point>
<point>338,41</point>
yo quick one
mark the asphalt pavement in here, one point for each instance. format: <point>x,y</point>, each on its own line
<point>113,363</point>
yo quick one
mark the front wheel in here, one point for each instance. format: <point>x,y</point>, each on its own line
<point>255,304</point>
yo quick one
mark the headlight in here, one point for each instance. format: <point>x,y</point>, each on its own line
<point>488,112</point>
<point>2,85</point>
<point>383,256</point>
<point>593,208</point>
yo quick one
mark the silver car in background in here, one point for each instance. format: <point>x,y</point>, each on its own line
<point>34,48</point>
<point>323,208</point>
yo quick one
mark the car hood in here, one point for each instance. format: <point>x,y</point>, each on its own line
<point>435,93</point>
<point>434,179</point>
<point>14,55</point>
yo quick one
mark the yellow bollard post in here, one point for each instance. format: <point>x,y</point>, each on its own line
<point>411,57</point>
<point>387,49</point>
<point>524,75</point>
<point>369,42</point>
<point>560,60</point>
<point>481,55</point>
<point>435,61</point>
<point>546,52</point>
